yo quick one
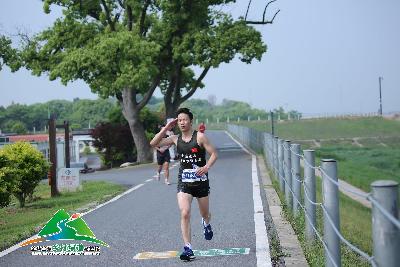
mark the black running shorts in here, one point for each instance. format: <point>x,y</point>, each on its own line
<point>163,157</point>
<point>196,189</point>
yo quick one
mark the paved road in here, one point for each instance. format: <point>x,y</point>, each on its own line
<point>147,219</point>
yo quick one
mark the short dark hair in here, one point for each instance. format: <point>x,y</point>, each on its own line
<point>185,111</point>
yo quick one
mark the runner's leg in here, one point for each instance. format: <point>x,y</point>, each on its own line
<point>184,203</point>
<point>166,172</point>
<point>203,203</point>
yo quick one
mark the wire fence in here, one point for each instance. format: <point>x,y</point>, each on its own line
<point>283,158</point>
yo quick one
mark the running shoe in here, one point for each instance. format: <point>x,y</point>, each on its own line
<point>208,233</point>
<point>187,254</point>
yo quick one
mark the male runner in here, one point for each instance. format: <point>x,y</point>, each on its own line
<point>163,158</point>
<point>202,127</point>
<point>193,173</point>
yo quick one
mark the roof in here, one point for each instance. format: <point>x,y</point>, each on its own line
<point>33,137</point>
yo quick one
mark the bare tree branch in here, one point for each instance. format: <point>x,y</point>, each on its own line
<point>196,85</point>
<point>130,19</point>
<point>143,16</point>
<point>263,17</point>
<point>108,15</point>
<point>178,79</point>
<point>121,3</point>
<point>150,92</point>
<point>247,11</point>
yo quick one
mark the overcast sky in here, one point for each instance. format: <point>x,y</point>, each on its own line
<point>323,57</point>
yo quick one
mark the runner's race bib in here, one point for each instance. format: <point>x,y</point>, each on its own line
<point>189,175</point>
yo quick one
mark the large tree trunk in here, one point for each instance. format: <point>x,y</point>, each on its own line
<point>170,108</point>
<point>131,111</point>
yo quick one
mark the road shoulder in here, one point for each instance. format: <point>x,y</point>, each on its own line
<point>290,245</point>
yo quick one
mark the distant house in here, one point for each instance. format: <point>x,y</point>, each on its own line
<point>39,138</point>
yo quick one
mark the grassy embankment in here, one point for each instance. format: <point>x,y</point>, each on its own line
<point>17,223</point>
<point>374,155</point>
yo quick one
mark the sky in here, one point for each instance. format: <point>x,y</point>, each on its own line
<point>323,57</point>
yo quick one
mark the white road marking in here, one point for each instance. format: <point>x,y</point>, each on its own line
<point>262,243</point>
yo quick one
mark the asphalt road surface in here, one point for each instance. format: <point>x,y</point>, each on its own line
<point>147,219</point>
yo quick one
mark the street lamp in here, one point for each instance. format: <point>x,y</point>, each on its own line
<point>380,95</point>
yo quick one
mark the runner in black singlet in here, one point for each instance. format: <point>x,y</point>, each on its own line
<point>193,173</point>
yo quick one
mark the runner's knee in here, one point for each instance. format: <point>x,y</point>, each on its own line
<point>185,214</point>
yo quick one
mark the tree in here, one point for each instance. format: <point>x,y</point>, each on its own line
<point>6,183</point>
<point>19,128</point>
<point>26,166</point>
<point>212,99</point>
<point>126,48</point>
<point>117,47</point>
<point>8,55</point>
<point>211,38</point>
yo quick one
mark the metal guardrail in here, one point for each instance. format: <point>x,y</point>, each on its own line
<point>283,158</point>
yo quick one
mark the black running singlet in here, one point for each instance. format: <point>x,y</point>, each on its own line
<point>191,156</point>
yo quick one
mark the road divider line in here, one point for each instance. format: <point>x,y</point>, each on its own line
<point>237,142</point>
<point>262,244</point>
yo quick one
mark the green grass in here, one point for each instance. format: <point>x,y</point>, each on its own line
<point>17,224</point>
<point>330,128</point>
<point>360,166</point>
<point>355,226</point>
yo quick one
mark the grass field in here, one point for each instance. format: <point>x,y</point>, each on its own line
<point>330,128</point>
<point>17,224</point>
<point>360,166</point>
<point>367,149</point>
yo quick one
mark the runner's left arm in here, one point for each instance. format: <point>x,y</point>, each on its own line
<point>210,150</point>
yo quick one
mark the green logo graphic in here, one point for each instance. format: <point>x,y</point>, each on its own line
<point>62,226</point>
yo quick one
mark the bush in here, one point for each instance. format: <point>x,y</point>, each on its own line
<point>25,166</point>
<point>5,184</point>
<point>114,141</point>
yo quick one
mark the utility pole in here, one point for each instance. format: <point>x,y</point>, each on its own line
<point>272,123</point>
<point>53,157</point>
<point>380,96</point>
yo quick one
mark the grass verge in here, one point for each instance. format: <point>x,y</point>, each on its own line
<point>17,223</point>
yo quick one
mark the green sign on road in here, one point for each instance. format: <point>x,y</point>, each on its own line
<point>198,253</point>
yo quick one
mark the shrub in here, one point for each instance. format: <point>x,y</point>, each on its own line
<point>5,184</point>
<point>114,141</point>
<point>25,166</point>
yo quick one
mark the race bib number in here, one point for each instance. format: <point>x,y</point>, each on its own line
<point>189,176</point>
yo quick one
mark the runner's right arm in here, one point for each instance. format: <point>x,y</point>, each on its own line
<point>158,139</point>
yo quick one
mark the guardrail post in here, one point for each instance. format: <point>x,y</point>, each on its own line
<point>385,235</point>
<point>276,155</point>
<point>269,149</point>
<point>296,185</point>
<point>331,204</point>
<point>288,174</point>
<point>309,186</point>
<point>280,165</point>
<point>272,153</point>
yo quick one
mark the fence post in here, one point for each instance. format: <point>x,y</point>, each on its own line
<point>270,147</point>
<point>309,186</point>
<point>385,235</point>
<point>276,155</point>
<point>280,165</point>
<point>331,204</point>
<point>288,174</point>
<point>296,185</point>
